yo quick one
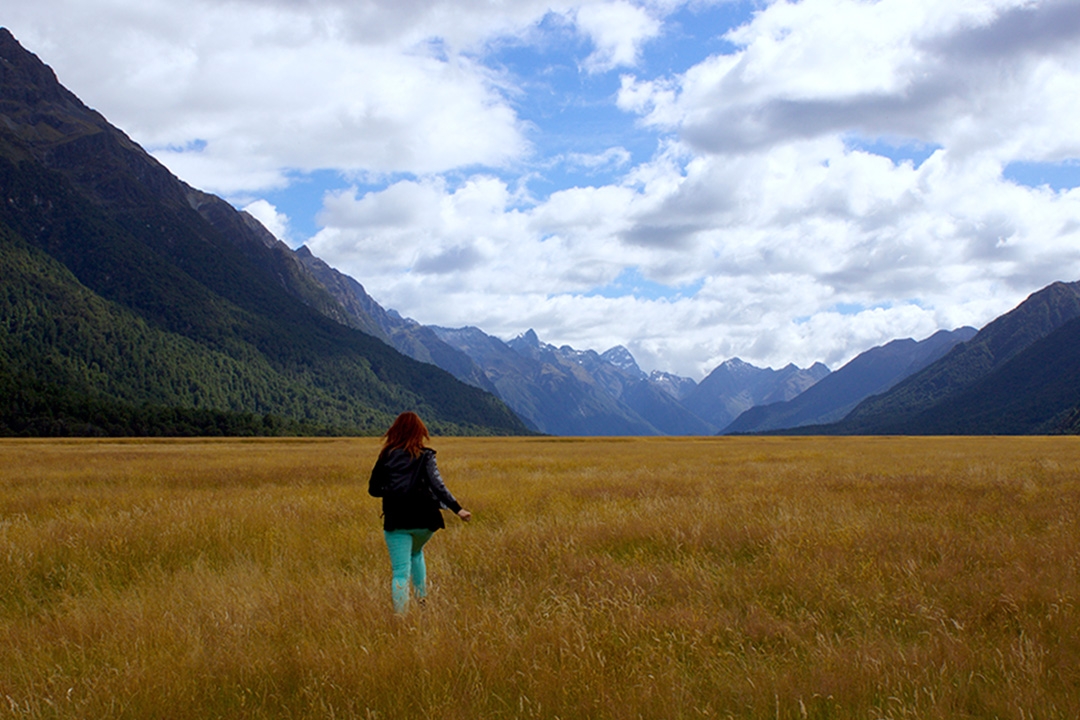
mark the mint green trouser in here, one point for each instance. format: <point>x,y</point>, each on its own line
<point>407,563</point>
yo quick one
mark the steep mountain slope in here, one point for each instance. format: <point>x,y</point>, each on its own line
<point>870,373</point>
<point>897,410</point>
<point>406,336</point>
<point>71,363</point>
<point>88,210</point>
<point>736,386</point>
<point>1037,391</point>
<point>663,411</point>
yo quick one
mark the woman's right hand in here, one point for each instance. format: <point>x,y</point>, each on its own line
<point>464,514</point>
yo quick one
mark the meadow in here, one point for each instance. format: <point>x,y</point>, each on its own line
<point>599,578</point>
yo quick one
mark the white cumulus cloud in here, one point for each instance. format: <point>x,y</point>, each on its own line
<point>836,176</point>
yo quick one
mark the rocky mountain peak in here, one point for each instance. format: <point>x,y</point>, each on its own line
<point>22,69</point>
<point>529,337</point>
<point>621,358</point>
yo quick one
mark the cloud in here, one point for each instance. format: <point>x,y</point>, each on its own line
<point>617,29</point>
<point>1033,29</point>
<point>778,210</point>
<point>772,243</point>
<point>268,87</point>
<point>272,86</point>
<point>612,158</point>
<point>966,75</point>
<point>277,223</point>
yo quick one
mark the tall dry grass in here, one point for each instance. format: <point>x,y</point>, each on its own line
<point>623,578</point>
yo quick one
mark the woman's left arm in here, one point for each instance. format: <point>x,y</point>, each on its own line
<point>442,494</point>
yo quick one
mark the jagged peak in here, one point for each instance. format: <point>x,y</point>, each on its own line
<point>736,365</point>
<point>622,358</point>
<point>529,342</point>
<point>529,337</point>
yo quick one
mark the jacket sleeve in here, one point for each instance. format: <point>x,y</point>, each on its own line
<point>438,487</point>
<point>377,482</point>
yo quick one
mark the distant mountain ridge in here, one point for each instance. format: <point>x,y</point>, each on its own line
<point>406,336</point>
<point>552,394</point>
<point>870,373</point>
<point>1035,391</point>
<point>736,386</point>
<point>564,391</point>
<point>912,405</point>
<point>622,381</point>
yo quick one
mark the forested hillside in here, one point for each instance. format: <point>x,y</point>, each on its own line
<point>127,294</point>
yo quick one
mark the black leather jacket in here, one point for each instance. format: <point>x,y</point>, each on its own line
<point>420,508</point>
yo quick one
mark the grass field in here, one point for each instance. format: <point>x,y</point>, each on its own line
<point>621,578</point>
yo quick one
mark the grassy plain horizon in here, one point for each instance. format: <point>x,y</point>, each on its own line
<point>600,578</point>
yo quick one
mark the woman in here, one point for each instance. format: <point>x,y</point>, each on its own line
<point>407,479</point>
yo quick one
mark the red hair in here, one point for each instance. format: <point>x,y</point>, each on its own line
<point>408,433</point>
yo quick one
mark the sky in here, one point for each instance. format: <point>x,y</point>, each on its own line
<point>695,180</point>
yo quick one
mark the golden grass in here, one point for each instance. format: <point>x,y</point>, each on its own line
<point>621,578</point>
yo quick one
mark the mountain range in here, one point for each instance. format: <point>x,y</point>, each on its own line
<point>870,373</point>
<point>563,391</point>
<point>1020,374</point>
<point>135,304</point>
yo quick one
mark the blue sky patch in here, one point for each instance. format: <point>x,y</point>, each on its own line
<point>856,308</point>
<point>693,34</point>
<point>1058,176</point>
<point>580,137</point>
<point>302,199</point>
<point>899,150</point>
<point>631,282</point>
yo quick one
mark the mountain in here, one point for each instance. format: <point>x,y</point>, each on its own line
<point>620,358</point>
<point>551,394</point>
<point>834,396</point>
<point>1037,391</point>
<point>563,391</point>
<point>618,372</point>
<point>676,386</point>
<point>903,409</point>
<point>663,411</point>
<point>736,386</point>
<point>136,304</point>
<point>404,335</point>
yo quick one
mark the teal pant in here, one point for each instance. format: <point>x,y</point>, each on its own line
<point>407,564</point>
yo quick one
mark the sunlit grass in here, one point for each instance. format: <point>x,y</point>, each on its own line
<point>621,578</point>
